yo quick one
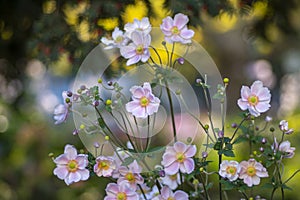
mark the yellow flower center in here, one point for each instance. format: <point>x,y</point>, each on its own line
<point>121,196</point>
<point>139,49</point>
<point>175,30</point>
<point>144,101</point>
<point>119,39</point>
<point>253,100</point>
<point>130,177</point>
<point>72,166</point>
<point>251,171</point>
<point>171,198</point>
<point>180,157</point>
<point>103,165</point>
<point>231,170</point>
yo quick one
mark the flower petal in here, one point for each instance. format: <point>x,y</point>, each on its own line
<point>168,159</point>
<point>61,172</point>
<point>245,93</point>
<point>186,33</point>
<point>172,169</point>
<point>167,24</point>
<point>180,195</point>
<point>133,60</point>
<point>70,152</point>
<point>61,160</point>
<point>180,147</point>
<point>128,51</point>
<point>189,165</point>
<point>132,105</point>
<point>180,20</point>
<point>256,86</point>
<point>191,151</point>
<point>262,107</point>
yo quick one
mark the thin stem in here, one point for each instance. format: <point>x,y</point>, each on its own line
<point>291,176</point>
<point>236,130</point>
<point>173,47</point>
<point>157,55</point>
<point>273,192</point>
<point>204,187</point>
<point>172,111</point>
<point>220,184</point>
<point>142,191</point>
<point>148,133</point>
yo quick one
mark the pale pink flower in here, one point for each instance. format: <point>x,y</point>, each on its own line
<point>176,30</point>
<point>105,165</point>
<point>138,25</point>
<point>168,194</point>
<point>118,39</point>
<point>71,167</point>
<point>172,180</point>
<point>286,149</point>
<point>284,126</point>
<point>60,113</point>
<point>252,171</point>
<point>143,103</point>
<point>256,99</point>
<point>138,49</point>
<point>230,169</point>
<point>120,192</point>
<point>179,157</point>
<point>131,175</point>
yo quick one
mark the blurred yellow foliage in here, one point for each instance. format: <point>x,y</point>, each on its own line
<point>49,6</point>
<point>224,22</point>
<point>135,11</point>
<point>260,9</point>
<point>108,24</point>
<point>72,12</point>
<point>6,34</point>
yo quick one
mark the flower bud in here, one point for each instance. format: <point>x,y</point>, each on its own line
<point>234,125</point>
<point>96,103</point>
<point>82,126</point>
<point>109,83</point>
<point>220,134</point>
<point>69,93</point>
<point>204,154</point>
<point>261,149</point>
<point>163,43</point>
<point>272,129</point>
<point>226,80</point>
<point>162,173</point>
<point>100,80</point>
<point>96,145</point>
<point>106,137</point>
<point>108,102</point>
<point>264,141</point>
<point>180,60</point>
<point>75,131</point>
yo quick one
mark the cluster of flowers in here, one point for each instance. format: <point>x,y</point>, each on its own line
<point>179,164</point>
<point>71,167</point>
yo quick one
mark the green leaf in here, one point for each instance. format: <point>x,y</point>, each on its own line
<point>228,153</point>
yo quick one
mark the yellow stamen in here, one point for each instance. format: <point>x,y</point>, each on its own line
<point>251,171</point>
<point>180,157</point>
<point>175,30</point>
<point>144,101</point>
<point>72,166</point>
<point>253,100</point>
<point>121,196</point>
<point>130,177</point>
<point>139,49</point>
<point>231,170</point>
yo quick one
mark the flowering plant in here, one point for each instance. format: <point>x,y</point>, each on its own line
<point>150,138</point>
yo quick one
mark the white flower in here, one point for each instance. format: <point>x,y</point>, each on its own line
<point>143,26</point>
<point>230,170</point>
<point>171,180</point>
<point>256,99</point>
<point>118,39</point>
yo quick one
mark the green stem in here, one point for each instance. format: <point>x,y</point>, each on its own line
<point>171,110</point>
<point>220,184</point>
<point>142,191</point>
<point>291,176</point>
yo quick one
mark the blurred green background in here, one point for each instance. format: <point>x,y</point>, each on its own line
<point>43,42</point>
